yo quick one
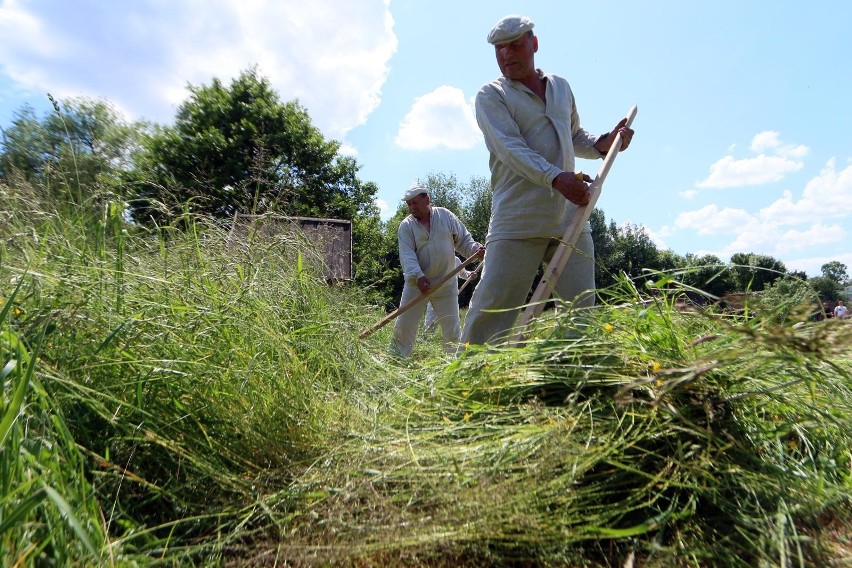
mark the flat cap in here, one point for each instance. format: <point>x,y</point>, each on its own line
<point>415,190</point>
<point>509,28</point>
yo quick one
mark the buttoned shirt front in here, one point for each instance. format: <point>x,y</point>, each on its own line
<point>530,142</point>
<point>432,253</point>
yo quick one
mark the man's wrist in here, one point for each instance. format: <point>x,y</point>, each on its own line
<point>602,153</point>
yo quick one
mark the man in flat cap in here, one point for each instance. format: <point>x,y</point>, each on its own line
<point>532,130</point>
<point>429,238</point>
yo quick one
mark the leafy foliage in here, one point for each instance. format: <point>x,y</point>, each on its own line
<point>836,271</point>
<point>197,399</point>
<point>755,271</point>
<point>623,250</point>
<point>75,153</point>
<point>240,149</point>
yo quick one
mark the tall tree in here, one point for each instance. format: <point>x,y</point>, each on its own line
<point>790,298</point>
<point>709,274</point>
<point>604,238</point>
<point>476,210</point>
<point>755,271</point>
<point>444,191</point>
<point>238,148</point>
<point>836,271</point>
<point>829,289</point>
<point>635,251</point>
<point>627,249</point>
<point>77,151</point>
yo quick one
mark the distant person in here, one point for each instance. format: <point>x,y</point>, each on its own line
<point>532,130</point>
<point>429,238</point>
<point>840,310</point>
<point>429,322</point>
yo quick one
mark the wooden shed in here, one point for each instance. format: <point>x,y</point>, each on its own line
<point>331,237</point>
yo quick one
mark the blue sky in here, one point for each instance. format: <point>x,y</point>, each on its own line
<point>743,132</point>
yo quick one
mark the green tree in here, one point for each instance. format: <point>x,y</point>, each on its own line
<point>476,207</point>
<point>635,251</point>
<point>238,148</point>
<point>709,274</point>
<point>603,237</point>
<point>829,289</point>
<point>444,191</point>
<point>836,271</point>
<point>79,150</point>
<point>755,271</point>
<point>627,250</point>
<point>789,299</point>
<point>376,264</point>
<point>471,202</point>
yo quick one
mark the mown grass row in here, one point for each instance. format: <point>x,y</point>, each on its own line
<point>181,397</point>
<point>681,438</point>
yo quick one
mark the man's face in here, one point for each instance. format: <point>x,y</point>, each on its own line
<point>516,59</point>
<point>418,206</point>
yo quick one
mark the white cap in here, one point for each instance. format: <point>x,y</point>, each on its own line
<point>509,29</point>
<point>415,190</point>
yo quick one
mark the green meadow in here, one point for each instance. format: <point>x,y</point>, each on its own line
<point>179,397</point>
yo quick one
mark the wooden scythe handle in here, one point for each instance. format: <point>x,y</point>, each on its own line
<point>402,309</point>
<point>572,233</point>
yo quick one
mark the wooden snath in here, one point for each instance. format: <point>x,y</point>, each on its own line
<point>402,309</point>
<point>569,238</point>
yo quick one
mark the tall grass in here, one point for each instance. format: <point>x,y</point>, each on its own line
<point>182,397</point>
<point>692,438</point>
<point>49,515</point>
<point>193,371</point>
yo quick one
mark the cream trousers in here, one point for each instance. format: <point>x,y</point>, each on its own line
<point>507,276</point>
<point>446,309</point>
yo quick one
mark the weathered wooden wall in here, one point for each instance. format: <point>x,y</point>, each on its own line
<point>333,237</point>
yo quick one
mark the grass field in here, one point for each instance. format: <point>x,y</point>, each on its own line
<point>182,398</point>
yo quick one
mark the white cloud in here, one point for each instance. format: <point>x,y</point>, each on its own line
<point>730,172</point>
<point>333,56</point>
<point>788,225</point>
<point>763,168</point>
<point>442,118</point>
<point>657,237</point>
<point>827,196</point>
<point>711,220</point>
<point>812,265</point>
<point>769,141</point>
<point>815,236</point>
<point>347,150</point>
<point>775,241</point>
<point>384,209</point>
<point>21,32</point>
<point>779,242</point>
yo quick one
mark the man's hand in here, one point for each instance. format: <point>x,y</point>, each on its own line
<point>604,142</point>
<point>573,188</point>
<point>424,284</point>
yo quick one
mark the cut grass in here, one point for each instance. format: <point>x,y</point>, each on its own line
<point>197,401</point>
